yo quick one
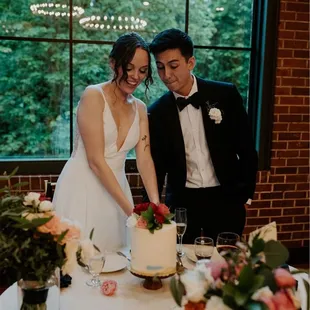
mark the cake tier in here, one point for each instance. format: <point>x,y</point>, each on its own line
<point>154,254</point>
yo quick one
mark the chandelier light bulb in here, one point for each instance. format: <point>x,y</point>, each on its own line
<point>55,9</point>
<point>113,22</point>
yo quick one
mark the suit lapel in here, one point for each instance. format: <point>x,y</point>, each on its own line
<point>175,130</point>
<point>209,125</point>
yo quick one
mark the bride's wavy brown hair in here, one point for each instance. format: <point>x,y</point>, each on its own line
<point>123,52</point>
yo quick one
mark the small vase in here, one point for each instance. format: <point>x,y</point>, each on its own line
<point>36,295</point>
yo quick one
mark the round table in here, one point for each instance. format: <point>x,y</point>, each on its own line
<point>130,294</point>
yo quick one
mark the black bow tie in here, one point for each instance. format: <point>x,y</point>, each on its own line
<point>193,100</point>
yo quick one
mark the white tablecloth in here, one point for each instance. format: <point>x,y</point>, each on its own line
<point>130,294</point>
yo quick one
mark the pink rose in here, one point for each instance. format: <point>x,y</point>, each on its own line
<point>141,223</point>
<point>217,267</point>
<point>284,278</point>
<point>163,209</point>
<point>282,301</point>
<point>52,226</point>
<point>268,302</point>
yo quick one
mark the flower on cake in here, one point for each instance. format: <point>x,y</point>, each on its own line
<point>150,216</point>
<point>240,280</point>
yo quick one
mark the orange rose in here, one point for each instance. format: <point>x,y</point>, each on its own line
<point>52,226</point>
<point>73,232</point>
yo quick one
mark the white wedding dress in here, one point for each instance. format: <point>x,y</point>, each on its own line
<point>80,196</point>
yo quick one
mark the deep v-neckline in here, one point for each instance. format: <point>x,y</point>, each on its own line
<point>118,149</point>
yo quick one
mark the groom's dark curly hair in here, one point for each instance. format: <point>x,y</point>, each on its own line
<point>123,52</point>
<point>173,39</point>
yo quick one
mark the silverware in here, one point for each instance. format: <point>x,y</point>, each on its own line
<point>180,266</point>
<point>122,254</point>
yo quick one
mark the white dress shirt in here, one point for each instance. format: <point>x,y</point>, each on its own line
<point>199,166</point>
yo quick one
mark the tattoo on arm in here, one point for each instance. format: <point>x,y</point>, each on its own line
<point>144,139</point>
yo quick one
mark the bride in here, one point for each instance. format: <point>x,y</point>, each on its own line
<point>92,187</point>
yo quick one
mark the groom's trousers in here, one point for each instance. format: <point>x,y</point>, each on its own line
<point>212,209</point>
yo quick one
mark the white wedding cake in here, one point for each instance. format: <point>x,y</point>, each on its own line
<point>153,254</point>
<point>153,251</point>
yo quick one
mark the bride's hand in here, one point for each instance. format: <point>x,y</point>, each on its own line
<point>129,212</point>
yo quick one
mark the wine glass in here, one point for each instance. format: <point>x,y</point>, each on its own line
<point>181,221</point>
<point>226,241</point>
<point>95,266</point>
<point>204,247</point>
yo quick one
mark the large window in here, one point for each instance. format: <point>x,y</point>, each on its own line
<point>50,51</point>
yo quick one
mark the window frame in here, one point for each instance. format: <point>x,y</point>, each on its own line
<point>261,86</point>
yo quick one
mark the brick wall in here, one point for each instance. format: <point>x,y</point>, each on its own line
<point>282,193</point>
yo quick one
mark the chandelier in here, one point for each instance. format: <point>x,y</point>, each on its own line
<point>113,23</point>
<point>55,9</point>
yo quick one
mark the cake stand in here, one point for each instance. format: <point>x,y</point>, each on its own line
<point>151,283</point>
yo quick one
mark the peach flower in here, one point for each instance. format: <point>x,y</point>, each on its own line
<point>284,278</point>
<point>73,231</point>
<point>141,223</point>
<point>52,226</point>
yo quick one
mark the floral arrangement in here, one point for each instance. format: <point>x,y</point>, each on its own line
<point>247,279</point>
<point>150,216</point>
<point>34,241</point>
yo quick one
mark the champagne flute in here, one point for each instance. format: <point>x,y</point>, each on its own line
<point>95,265</point>
<point>181,221</point>
<point>204,247</point>
<point>226,241</point>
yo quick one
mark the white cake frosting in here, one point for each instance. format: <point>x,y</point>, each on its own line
<point>153,254</point>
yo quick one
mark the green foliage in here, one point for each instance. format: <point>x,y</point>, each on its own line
<point>276,253</point>
<point>177,290</point>
<point>34,76</point>
<point>148,215</point>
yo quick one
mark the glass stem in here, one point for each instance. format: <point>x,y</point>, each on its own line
<point>180,244</point>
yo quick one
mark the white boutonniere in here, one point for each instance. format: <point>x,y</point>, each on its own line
<point>214,113</point>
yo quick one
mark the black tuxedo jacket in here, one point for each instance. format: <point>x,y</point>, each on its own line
<point>230,143</point>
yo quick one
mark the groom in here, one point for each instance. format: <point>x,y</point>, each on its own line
<point>201,139</point>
